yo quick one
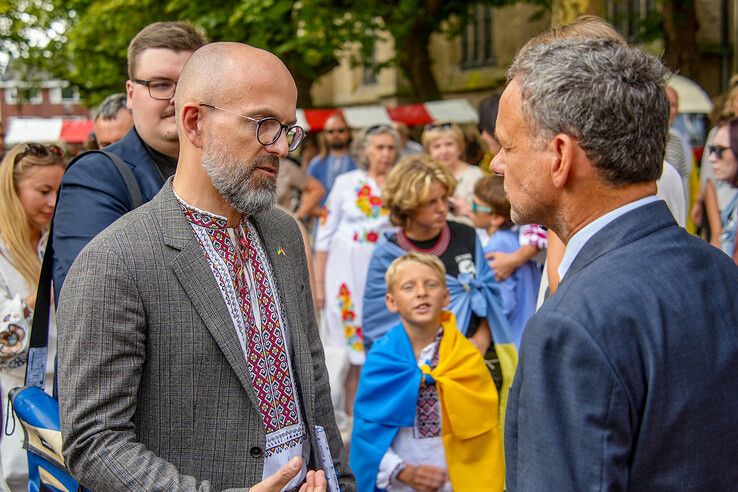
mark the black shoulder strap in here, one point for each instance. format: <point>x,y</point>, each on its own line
<point>39,341</point>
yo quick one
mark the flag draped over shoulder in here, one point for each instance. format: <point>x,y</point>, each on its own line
<point>387,397</point>
<point>480,295</point>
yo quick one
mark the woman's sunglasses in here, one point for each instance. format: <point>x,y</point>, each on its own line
<point>38,150</point>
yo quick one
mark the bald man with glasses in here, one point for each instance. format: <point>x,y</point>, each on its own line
<point>213,375</point>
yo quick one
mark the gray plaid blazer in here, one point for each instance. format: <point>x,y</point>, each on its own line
<point>154,390</point>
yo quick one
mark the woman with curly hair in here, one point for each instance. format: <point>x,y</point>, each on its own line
<point>30,175</point>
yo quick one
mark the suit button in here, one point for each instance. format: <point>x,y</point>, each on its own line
<point>256,452</point>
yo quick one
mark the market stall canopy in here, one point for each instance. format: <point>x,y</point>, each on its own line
<point>76,131</point>
<point>366,116</point>
<point>41,130</point>
<point>446,111</point>
<point>692,98</point>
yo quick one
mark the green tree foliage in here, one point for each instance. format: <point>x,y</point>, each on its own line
<point>90,52</point>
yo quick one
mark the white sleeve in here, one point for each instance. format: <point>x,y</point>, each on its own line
<point>388,469</point>
<point>330,218</point>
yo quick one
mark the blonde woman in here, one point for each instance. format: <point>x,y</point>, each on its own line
<point>445,142</point>
<point>30,175</point>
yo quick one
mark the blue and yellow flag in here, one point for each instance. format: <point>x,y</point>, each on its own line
<point>387,398</point>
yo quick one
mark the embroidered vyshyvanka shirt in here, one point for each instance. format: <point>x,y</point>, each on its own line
<point>422,443</point>
<point>243,273</point>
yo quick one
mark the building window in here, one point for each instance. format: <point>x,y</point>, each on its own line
<point>369,74</point>
<point>69,94</point>
<point>477,39</point>
<point>631,17</point>
<point>11,95</point>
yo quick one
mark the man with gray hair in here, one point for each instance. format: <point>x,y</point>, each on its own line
<point>112,119</point>
<point>626,377</point>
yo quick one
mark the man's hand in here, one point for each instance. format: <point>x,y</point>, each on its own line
<point>423,478</point>
<point>315,481</point>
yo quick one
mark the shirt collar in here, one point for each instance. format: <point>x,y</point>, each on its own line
<point>201,218</point>
<point>578,240</point>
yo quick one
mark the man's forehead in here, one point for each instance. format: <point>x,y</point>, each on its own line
<point>335,122</point>
<point>160,63</point>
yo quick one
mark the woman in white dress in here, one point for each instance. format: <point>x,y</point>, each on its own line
<point>30,175</point>
<point>352,222</point>
<point>445,143</point>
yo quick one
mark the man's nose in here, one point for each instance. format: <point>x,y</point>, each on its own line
<point>280,147</point>
<point>497,166</point>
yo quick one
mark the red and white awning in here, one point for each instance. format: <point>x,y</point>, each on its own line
<point>47,130</point>
<point>446,111</point>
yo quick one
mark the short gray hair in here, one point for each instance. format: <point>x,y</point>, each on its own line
<point>358,146</point>
<point>609,97</point>
<point>108,109</point>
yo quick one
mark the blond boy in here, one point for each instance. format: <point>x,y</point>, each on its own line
<point>426,413</point>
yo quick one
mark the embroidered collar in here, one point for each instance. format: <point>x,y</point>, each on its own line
<point>437,249</point>
<point>203,218</point>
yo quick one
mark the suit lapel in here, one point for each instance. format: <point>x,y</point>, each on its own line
<point>290,286</point>
<point>196,278</point>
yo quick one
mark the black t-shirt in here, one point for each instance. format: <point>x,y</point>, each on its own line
<point>459,256</point>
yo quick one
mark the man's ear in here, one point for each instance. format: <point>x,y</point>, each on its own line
<point>191,121</point>
<point>390,301</point>
<point>129,94</point>
<point>446,298</point>
<point>565,149</point>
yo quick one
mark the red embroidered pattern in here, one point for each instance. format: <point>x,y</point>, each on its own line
<point>437,250</point>
<point>352,332</point>
<point>266,353</point>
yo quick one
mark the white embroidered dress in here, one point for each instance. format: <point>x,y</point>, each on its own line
<point>243,273</point>
<point>352,222</point>
<point>15,329</point>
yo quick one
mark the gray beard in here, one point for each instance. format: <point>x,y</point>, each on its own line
<point>236,183</point>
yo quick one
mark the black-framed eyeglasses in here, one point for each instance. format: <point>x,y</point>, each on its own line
<point>38,150</point>
<point>717,150</point>
<point>161,89</point>
<point>442,126</point>
<point>269,129</point>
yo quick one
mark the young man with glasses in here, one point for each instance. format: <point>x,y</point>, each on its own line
<point>214,376</point>
<point>93,193</point>
<point>337,159</point>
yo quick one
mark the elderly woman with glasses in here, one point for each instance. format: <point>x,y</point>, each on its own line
<point>445,142</point>
<point>723,156</point>
<point>353,220</point>
<point>30,175</point>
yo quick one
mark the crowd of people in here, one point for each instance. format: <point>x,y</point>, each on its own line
<point>245,306</point>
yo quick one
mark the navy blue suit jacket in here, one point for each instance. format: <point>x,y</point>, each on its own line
<point>628,374</point>
<point>93,195</point>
